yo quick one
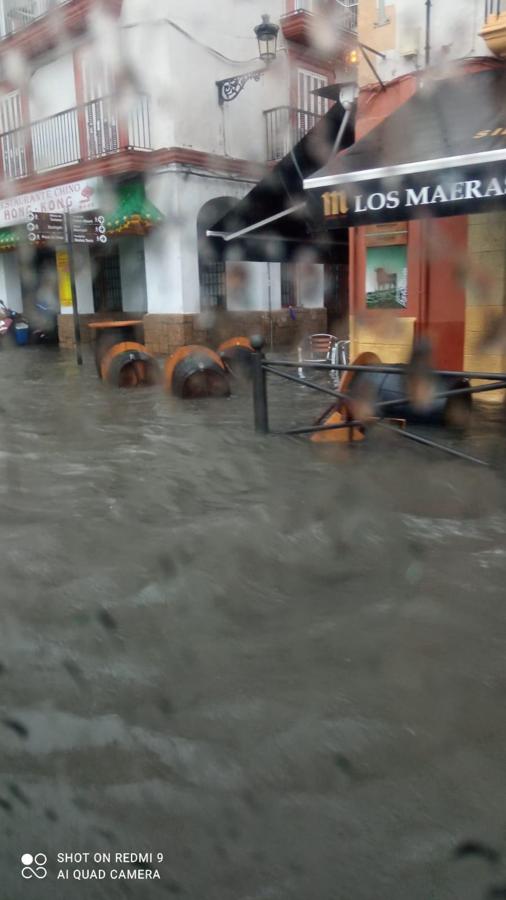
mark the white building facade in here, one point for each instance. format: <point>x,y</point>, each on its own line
<point>113,106</point>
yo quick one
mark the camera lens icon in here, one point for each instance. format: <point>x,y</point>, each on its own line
<point>34,866</point>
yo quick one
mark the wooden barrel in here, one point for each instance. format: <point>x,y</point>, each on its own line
<point>116,331</point>
<point>196,371</point>
<point>129,364</point>
<point>418,398</point>
<point>237,354</point>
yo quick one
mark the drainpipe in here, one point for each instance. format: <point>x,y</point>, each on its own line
<point>428,14</point>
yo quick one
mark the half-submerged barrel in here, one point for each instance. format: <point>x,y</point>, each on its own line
<point>196,371</point>
<point>417,397</point>
<point>129,364</point>
<point>237,354</point>
<point>406,395</point>
<point>108,333</point>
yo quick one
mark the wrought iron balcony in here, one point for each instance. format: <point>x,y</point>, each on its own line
<point>18,14</point>
<point>494,8</point>
<point>494,28</point>
<point>285,126</point>
<point>297,23</point>
<point>96,129</point>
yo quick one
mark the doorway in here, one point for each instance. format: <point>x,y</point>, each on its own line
<point>107,295</point>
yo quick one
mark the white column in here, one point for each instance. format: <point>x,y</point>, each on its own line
<point>10,281</point>
<point>164,274</point>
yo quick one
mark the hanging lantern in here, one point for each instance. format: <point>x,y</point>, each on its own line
<point>267,37</point>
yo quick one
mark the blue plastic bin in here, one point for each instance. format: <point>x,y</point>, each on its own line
<point>21,333</point>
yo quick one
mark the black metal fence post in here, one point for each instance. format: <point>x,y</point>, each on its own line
<point>260,386</point>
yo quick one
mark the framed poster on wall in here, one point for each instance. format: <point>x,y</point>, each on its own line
<point>387,277</point>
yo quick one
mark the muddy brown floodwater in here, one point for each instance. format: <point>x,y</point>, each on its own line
<point>283,671</point>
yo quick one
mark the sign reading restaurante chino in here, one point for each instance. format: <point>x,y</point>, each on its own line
<point>79,196</point>
<point>408,197</point>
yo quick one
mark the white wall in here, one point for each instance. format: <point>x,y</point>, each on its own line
<point>171,251</point>
<point>182,72</point>
<point>310,285</point>
<point>253,286</point>
<point>454,34</point>
<point>52,88</point>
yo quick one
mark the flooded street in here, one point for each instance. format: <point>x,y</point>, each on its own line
<point>281,669</point>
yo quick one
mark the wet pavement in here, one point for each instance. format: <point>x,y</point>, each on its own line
<point>282,669</point>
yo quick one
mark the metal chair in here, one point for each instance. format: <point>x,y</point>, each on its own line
<point>324,348</point>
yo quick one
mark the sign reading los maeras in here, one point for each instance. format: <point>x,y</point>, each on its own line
<point>79,196</point>
<point>450,193</point>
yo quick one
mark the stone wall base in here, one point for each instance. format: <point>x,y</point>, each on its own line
<point>163,334</point>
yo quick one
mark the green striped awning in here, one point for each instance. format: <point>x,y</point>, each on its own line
<point>134,212</point>
<point>9,238</point>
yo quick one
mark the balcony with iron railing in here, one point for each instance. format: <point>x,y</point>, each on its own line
<point>494,27</point>
<point>34,26</point>
<point>298,22</point>
<point>285,126</point>
<point>95,130</point>
<point>18,14</point>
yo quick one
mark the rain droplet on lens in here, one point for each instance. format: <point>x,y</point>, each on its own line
<point>74,672</point>
<point>167,565</point>
<point>105,619</point>
<point>19,794</point>
<point>343,763</point>
<point>166,706</point>
<point>16,726</point>
<point>477,848</point>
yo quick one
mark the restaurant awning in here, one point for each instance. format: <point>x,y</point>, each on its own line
<point>134,214</point>
<point>442,153</point>
<point>272,222</point>
<point>9,238</point>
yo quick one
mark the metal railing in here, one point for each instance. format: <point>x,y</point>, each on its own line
<point>96,129</point>
<point>494,8</point>
<point>19,14</point>
<point>348,10</point>
<point>285,126</point>
<point>353,415</point>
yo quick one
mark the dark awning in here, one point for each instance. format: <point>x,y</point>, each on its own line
<point>271,223</point>
<point>442,153</point>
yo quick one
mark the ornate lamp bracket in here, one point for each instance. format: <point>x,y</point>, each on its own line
<point>230,88</point>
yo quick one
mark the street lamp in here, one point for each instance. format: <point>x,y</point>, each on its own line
<point>267,37</point>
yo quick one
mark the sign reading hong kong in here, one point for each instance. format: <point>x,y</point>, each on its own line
<point>379,201</point>
<point>79,196</point>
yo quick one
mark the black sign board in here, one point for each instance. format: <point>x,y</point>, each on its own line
<point>47,227</point>
<point>450,192</point>
<point>65,228</point>
<point>87,228</point>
